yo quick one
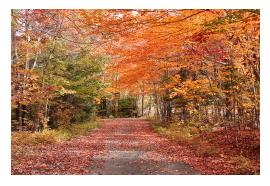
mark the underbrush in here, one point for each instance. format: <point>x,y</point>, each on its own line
<point>244,164</point>
<point>187,135</point>
<point>175,131</point>
<point>241,148</point>
<point>51,136</point>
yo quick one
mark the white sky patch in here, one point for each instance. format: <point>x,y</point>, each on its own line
<point>119,15</point>
<point>134,13</point>
<point>173,13</point>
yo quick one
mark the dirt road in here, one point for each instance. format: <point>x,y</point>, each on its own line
<point>119,146</point>
<point>131,147</point>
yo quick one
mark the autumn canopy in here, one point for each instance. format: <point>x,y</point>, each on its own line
<point>171,63</point>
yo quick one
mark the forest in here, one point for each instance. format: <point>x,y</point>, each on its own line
<point>193,75</point>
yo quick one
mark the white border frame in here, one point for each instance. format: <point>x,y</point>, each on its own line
<point>5,98</point>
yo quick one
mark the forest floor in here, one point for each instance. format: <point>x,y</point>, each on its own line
<point>119,146</point>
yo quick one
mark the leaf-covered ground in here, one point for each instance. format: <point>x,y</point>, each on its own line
<point>120,146</point>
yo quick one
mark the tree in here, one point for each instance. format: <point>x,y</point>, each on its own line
<point>194,65</point>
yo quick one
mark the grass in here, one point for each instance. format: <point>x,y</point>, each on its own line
<point>181,134</point>
<point>187,135</point>
<point>243,164</point>
<point>52,136</point>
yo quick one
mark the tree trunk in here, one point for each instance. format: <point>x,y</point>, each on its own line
<point>142,103</point>
<point>150,106</point>
<point>20,116</point>
<point>45,119</point>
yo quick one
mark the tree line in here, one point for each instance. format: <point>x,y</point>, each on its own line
<point>196,67</point>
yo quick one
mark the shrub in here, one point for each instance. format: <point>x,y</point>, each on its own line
<point>52,136</point>
<point>28,138</point>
